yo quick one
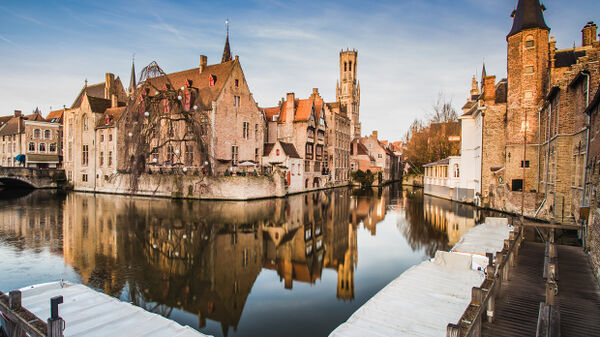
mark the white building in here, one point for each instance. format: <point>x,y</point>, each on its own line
<point>469,189</point>
<point>442,178</point>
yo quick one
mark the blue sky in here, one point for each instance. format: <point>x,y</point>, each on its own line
<point>409,51</point>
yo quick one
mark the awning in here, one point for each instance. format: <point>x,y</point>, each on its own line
<point>20,158</point>
<point>247,163</point>
<point>42,158</point>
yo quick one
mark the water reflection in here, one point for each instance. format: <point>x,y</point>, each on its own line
<point>204,258</point>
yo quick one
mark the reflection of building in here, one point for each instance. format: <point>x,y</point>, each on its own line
<point>453,218</point>
<point>367,209</point>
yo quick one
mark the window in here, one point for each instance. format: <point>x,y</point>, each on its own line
<point>255,131</point>
<point>526,164</point>
<point>456,171</point>
<point>101,158</point>
<point>237,83</point>
<point>85,122</point>
<point>47,134</point>
<point>350,66</point>
<point>517,185</point>
<point>309,150</point>
<point>379,155</point>
<point>529,43</point>
<point>42,147</point>
<point>31,147</point>
<point>70,151</point>
<point>84,178</point>
<point>109,158</point>
<point>256,159</point>
<point>189,154</point>
<point>170,154</point>
<point>36,133</point>
<point>234,155</point>
<point>110,137</point>
<point>84,155</point>
<point>101,136</point>
<point>246,130</point>
<point>345,66</point>
<point>236,100</point>
<point>52,147</point>
<point>528,69</point>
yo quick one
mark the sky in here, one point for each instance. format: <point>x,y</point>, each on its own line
<point>409,51</point>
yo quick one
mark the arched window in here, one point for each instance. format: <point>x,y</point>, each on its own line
<point>350,66</point>
<point>85,122</point>
<point>52,147</point>
<point>456,171</point>
<point>31,147</point>
<point>36,133</point>
<point>47,134</point>
<point>345,66</point>
<point>42,147</point>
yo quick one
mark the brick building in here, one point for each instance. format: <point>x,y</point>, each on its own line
<point>29,141</point>
<point>338,142</point>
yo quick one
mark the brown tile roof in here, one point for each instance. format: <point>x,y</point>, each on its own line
<point>11,127</point>
<point>268,147</point>
<point>99,104</point>
<point>200,80</point>
<point>566,58</point>
<point>290,150</point>
<point>303,109</point>
<point>55,115</point>
<point>501,91</point>
<point>4,119</point>
<point>36,117</point>
<point>112,114</point>
<point>94,90</point>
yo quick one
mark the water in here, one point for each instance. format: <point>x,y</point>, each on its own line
<point>283,267</point>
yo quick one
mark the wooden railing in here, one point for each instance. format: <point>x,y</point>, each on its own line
<point>483,297</point>
<point>22,322</point>
<point>548,324</point>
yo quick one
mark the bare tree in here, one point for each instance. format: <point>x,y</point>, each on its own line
<point>442,110</point>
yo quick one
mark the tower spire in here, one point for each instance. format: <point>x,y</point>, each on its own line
<point>132,83</point>
<point>226,51</point>
<point>528,15</point>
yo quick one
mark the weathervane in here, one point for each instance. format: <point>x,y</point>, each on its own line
<point>227,24</point>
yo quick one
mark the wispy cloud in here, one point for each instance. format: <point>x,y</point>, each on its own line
<point>2,38</point>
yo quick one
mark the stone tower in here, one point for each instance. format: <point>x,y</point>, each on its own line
<point>527,69</point>
<point>348,89</point>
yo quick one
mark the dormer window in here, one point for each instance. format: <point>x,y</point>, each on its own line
<point>212,80</point>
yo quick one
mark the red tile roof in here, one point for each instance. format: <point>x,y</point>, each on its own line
<point>271,112</point>
<point>112,114</point>
<point>56,115</point>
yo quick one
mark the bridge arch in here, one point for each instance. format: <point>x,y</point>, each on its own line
<point>16,182</point>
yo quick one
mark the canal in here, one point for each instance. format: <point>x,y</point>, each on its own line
<point>298,266</point>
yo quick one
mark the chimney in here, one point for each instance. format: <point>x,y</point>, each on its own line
<point>109,85</point>
<point>315,91</point>
<point>588,34</point>
<point>290,102</point>
<point>113,101</point>
<point>489,89</point>
<point>203,62</point>
<point>375,134</point>
<point>18,113</point>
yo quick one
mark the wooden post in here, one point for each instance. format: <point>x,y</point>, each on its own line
<point>453,330</point>
<point>14,299</point>
<point>476,296</point>
<point>55,327</point>
<point>492,297</point>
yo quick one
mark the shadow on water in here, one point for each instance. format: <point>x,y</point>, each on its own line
<point>201,262</point>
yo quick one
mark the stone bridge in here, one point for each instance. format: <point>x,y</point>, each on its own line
<point>32,177</point>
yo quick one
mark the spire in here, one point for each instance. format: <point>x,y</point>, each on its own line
<point>226,50</point>
<point>132,83</point>
<point>528,15</point>
<point>483,72</point>
<point>474,87</point>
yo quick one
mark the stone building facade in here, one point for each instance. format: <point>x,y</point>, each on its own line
<point>338,140</point>
<point>383,157</point>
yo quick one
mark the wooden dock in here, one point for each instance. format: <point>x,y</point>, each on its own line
<point>518,302</point>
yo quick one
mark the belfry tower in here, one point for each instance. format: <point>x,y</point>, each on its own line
<point>348,89</point>
<point>527,70</point>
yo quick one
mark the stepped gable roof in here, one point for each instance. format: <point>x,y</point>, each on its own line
<point>567,58</point>
<point>501,91</point>
<point>527,15</point>
<point>94,90</point>
<point>113,115</point>
<point>55,116</point>
<point>35,117</point>
<point>290,150</point>
<point>201,80</point>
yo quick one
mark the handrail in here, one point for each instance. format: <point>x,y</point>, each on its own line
<point>483,297</point>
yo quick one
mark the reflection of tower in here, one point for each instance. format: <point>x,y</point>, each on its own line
<point>345,284</point>
<point>348,89</point>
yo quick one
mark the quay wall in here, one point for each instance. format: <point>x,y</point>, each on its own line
<point>194,187</point>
